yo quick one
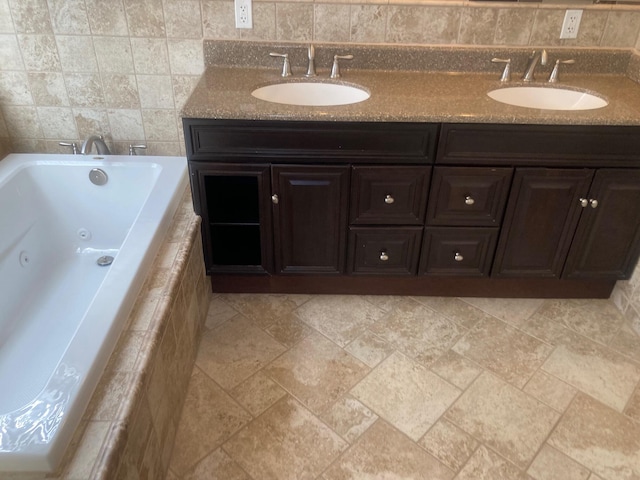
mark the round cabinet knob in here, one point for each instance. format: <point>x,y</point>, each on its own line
<point>389,200</point>
<point>275,199</point>
<point>583,202</point>
<point>468,200</point>
<point>384,256</point>
<point>593,203</point>
<point>458,257</point>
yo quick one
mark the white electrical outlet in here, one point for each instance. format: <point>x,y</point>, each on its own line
<point>571,24</point>
<point>243,14</point>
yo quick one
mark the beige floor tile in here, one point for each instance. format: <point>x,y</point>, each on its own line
<point>544,328</point>
<point>342,318</point>
<point>593,369</point>
<point>461,312</point>
<point>264,310</point>
<point>633,407</point>
<point>370,349</point>
<point>317,372</point>
<point>507,352</point>
<point>217,465</point>
<point>406,394</point>
<point>550,390</point>
<point>386,302</point>
<point>627,342</point>
<point>235,350</point>
<point>349,418</point>
<point>286,442</point>
<point>418,332</point>
<point>456,369</point>
<point>384,453</point>
<point>598,320</point>
<point>449,444</point>
<point>219,312</point>
<point>209,418</point>
<point>288,330</point>
<point>550,464</point>
<point>512,310</point>
<point>504,418</point>
<point>487,465</point>
<point>257,393</point>
<point>598,437</point>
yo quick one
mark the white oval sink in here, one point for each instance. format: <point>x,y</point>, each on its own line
<point>547,98</point>
<point>311,93</point>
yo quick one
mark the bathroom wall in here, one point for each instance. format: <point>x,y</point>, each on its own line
<point>123,68</point>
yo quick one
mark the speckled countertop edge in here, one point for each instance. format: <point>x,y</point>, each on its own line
<point>450,85</point>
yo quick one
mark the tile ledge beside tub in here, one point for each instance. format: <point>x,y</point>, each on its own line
<point>129,427</point>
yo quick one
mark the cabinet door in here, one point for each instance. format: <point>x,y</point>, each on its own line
<point>310,218</point>
<point>540,221</point>
<point>607,242</point>
<point>233,201</point>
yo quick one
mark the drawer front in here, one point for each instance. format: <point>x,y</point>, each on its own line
<point>389,195</point>
<point>300,142</point>
<point>384,251</point>
<point>468,196</point>
<point>458,251</point>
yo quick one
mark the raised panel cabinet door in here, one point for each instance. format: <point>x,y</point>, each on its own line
<point>234,202</point>
<point>607,241</point>
<point>310,218</point>
<point>540,221</point>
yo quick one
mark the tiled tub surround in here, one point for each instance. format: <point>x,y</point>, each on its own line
<point>124,68</point>
<point>129,427</point>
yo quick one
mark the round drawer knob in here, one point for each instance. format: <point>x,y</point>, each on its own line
<point>389,200</point>
<point>468,200</point>
<point>275,199</point>
<point>384,256</point>
<point>458,257</point>
<point>593,203</point>
<point>583,202</point>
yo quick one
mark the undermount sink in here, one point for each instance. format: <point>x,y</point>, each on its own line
<point>311,94</point>
<point>548,98</point>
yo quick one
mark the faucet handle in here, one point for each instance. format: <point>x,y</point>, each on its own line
<point>335,68</point>
<point>133,149</point>
<point>74,147</point>
<point>554,76</point>
<point>506,73</point>
<point>286,66</point>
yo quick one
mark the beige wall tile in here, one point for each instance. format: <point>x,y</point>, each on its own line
<point>10,53</point>
<point>22,122</point>
<point>331,22</point>
<point>546,27</point>
<point>423,24</point>
<point>155,91</point>
<point>85,90</point>
<point>31,16</point>
<point>477,25</point>
<point>621,29</point>
<point>368,23</point>
<point>126,124</point>
<point>14,89</point>
<point>113,54</point>
<point>513,26</point>
<point>120,91</point>
<point>186,56</point>
<point>182,18</point>
<point>294,22</point>
<point>218,19</point>
<point>107,17</point>
<point>145,18</point>
<point>264,22</point>
<point>69,17</point>
<point>48,89</point>
<point>76,53</point>
<point>6,22</point>
<point>57,122</point>
<point>160,125</point>
<point>150,56</point>
<point>39,52</point>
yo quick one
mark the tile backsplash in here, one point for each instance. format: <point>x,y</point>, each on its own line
<point>124,68</point>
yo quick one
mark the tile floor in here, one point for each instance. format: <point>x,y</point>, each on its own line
<point>367,387</point>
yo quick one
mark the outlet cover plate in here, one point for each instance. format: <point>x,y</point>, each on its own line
<point>243,14</point>
<point>571,24</point>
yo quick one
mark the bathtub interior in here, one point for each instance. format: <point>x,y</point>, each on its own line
<point>58,226</point>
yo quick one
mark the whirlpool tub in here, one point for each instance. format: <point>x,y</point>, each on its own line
<point>74,252</point>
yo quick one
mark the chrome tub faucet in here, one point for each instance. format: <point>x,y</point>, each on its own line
<point>98,141</point>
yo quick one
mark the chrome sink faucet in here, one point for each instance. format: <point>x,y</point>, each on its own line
<point>311,69</point>
<point>98,141</point>
<point>534,59</point>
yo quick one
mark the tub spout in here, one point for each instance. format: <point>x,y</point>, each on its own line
<point>101,147</point>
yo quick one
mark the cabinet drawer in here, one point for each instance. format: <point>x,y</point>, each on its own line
<point>384,251</point>
<point>458,251</point>
<point>389,195</point>
<point>468,196</point>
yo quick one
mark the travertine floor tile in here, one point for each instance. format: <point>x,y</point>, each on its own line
<point>216,465</point>
<point>370,348</point>
<point>550,390</point>
<point>504,418</point>
<point>342,318</point>
<point>219,312</point>
<point>449,444</point>
<point>418,331</point>
<point>317,372</point>
<point>257,393</point>
<point>456,369</point>
<point>512,310</point>
<point>209,418</point>
<point>627,342</point>
<point>598,437</point>
<point>386,302</point>
<point>550,464</point>
<point>384,453</point>
<point>598,320</point>
<point>633,407</point>
<point>289,330</point>
<point>463,313</point>
<point>406,394</point>
<point>544,328</point>
<point>594,369</point>
<point>508,352</point>
<point>349,418</point>
<point>264,310</point>
<point>487,465</point>
<point>235,350</point>
<point>286,442</point>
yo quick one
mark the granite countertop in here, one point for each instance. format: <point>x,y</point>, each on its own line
<point>224,92</point>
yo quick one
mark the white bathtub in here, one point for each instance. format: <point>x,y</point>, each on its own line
<point>60,312</point>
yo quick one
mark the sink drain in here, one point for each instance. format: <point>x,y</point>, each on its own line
<point>105,260</point>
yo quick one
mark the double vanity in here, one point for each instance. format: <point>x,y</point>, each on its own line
<point>429,185</point>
